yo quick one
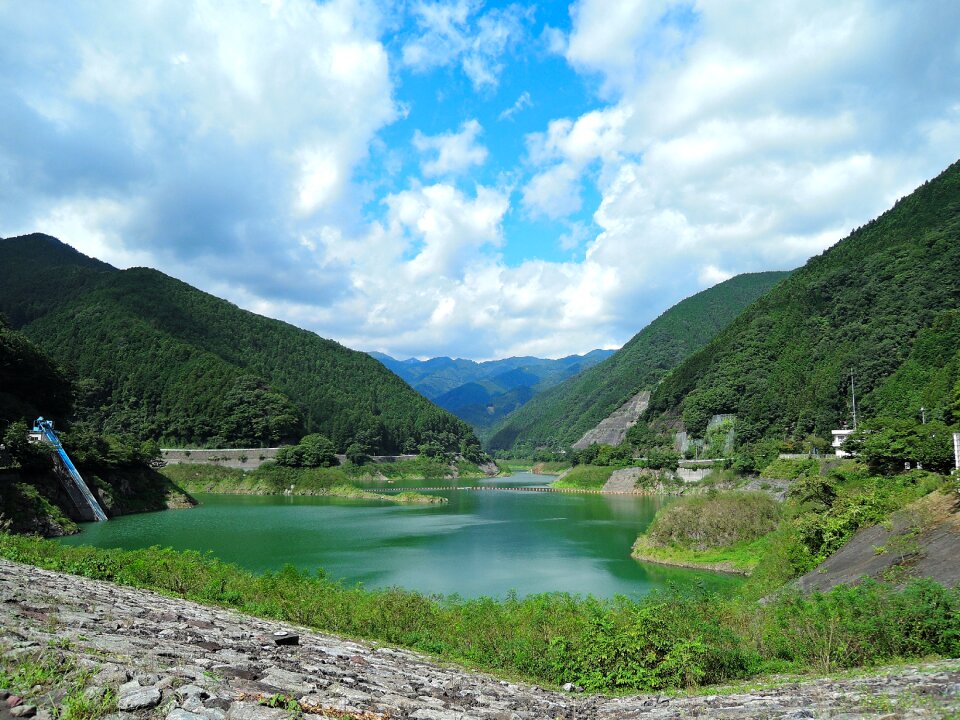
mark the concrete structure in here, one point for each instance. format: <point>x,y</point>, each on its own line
<point>839,438</point>
<point>956,451</point>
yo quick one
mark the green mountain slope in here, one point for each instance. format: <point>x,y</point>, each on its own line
<point>929,378</point>
<point>564,413</point>
<point>161,359</point>
<point>30,384</point>
<point>784,366</point>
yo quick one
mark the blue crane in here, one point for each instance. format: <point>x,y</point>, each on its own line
<point>45,429</point>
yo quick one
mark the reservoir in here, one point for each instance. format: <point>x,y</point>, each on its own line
<point>482,542</point>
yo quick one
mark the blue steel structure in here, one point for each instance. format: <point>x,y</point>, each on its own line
<point>45,428</point>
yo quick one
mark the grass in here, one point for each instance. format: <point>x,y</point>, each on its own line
<point>740,558</point>
<point>34,676</point>
<point>554,467</point>
<point>585,477</point>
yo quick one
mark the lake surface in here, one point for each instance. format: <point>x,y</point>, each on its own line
<point>483,542</point>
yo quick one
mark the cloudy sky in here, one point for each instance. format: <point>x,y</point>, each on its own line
<point>468,178</point>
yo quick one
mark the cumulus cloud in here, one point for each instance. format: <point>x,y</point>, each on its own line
<point>176,132</point>
<point>455,151</point>
<point>462,33</point>
<point>730,146</point>
<point>728,137</point>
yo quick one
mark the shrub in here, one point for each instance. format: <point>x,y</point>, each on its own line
<point>715,520</point>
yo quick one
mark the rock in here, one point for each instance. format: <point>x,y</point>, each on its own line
<point>13,700</point>
<point>186,691</point>
<point>43,714</point>
<point>23,711</point>
<point>181,714</point>
<point>255,711</point>
<point>111,676</point>
<point>568,687</point>
<point>139,698</point>
<point>282,637</point>
<point>94,693</point>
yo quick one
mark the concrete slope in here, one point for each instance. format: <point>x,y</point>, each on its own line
<point>921,541</point>
<point>613,429</point>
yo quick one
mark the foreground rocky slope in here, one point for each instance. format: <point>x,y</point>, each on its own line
<point>162,657</point>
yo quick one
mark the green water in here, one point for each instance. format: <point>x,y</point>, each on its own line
<point>481,543</point>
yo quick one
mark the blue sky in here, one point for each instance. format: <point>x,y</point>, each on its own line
<point>468,178</point>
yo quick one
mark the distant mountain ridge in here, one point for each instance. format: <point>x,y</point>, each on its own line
<point>163,360</point>
<point>483,392</point>
<point>563,414</point>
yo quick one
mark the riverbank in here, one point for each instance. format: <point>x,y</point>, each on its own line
<point>272,479</point>
<point>740,559</point>
<point>97,648</point>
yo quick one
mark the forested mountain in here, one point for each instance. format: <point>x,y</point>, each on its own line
<point>861,308</point>
<point>483,392</point>
<point>160,359</point>
<point>562,414</point>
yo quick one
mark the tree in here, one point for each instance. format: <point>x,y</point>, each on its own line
<point>357,453</point>
<point>257,415</point>
<point>314,450</point>
<point>885,444</point>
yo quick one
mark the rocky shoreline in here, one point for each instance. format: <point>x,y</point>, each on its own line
<point>145,655</point>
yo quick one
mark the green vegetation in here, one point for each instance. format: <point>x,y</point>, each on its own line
<point>312,451</point>
<point>712,521</point>
<point>718,531</point>
<point>561,415</point>
<point>34,676</point>
<point>161,360</point>
<point>872,304</point>
<point>750,532</point>
<point>585,477</point>
<point>667,640</point>
<point>886,444</point>
<point>274,479</point>
<point>791,468</point>
<point>271,479</point>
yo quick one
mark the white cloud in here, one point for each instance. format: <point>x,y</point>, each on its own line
<point>554,193</point>
<point>523,101</point>
<point>460,32</point>
<point>734,136</point>
<point>455,151</point>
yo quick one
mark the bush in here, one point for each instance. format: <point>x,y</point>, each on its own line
<point>312,451</point>
<point>715,520</point>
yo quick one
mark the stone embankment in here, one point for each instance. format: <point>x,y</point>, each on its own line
<point>161,657</point>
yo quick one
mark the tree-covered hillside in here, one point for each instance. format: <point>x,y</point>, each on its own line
<point>561,415</point>
<point>784,366</point>
<point>160,359</point>
<point>30,384</point>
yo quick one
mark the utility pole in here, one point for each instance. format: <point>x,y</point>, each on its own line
<point>923,415</point>
<point>853,391</point>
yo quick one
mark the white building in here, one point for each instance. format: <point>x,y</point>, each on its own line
<point>839,438</point>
